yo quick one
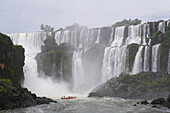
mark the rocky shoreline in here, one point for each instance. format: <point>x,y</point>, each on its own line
<point>14,96</point>
<point>140,86</point>
<point>156,103</point>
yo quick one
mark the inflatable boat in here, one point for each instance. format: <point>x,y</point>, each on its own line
<point>68,97</point>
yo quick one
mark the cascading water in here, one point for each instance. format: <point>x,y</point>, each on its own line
<point>98,36</point>
<point>115,57</point>
<point>161,27</point>
<point>41,86</point>
<point>137,66</point>
<point>82,40</point>
<point>146,59</point>
<point>155,58</point>
<point>78,72</point>
<point>114,61</point>
<point>168,69</point>
<point>118,40</point>
<point>85,40</point>
<point>134,34</point>
<point>112,35</point>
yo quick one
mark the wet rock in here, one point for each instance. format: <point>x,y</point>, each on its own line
<point>168,100</point>
<point>145,102</point>
<point>14,96</point>
<point>160,101</point>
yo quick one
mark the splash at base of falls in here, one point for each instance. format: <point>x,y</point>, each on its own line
<point>42,86</point>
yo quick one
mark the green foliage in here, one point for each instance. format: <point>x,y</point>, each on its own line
<point>168,27</point>
<point>132,50</point>
<point>167,35</point>
<point>146,81</point>
<point>157,37</point>
<point>126,22</point>
<point>147,40</point>
<point>12,59</point>
<point>46,28</point>
<point>53,59</point>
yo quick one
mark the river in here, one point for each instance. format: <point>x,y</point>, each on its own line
<point>90,105</point>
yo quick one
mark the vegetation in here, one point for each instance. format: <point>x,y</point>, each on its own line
<point>157,37</point>
<point>11,60</point>
<point>126,22</point>
<point>55,60</point>
<point>147,81</point>
<point>75,26</point>
<point>132,50</point>
<point>46,28</point>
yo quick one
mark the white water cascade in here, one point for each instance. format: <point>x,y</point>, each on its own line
<point>134,34</point>
<point>155,58</point>
<point>114,60</point>
<point>115,57</point>
<point>118,40</point>
<point>161,27</point>
<point>78,72</point>
<point>168,69</point>
<point>146,59</point>
<point>41,86</point>
<point>137,66</point>
<point>98,36</point>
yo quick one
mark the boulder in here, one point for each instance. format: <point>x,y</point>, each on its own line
<point>145,102</point>
<point>160,101</point>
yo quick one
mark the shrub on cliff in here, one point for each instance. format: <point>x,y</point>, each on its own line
<point>157,38</point>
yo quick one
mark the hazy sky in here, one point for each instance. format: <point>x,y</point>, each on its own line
<point>27,15</point>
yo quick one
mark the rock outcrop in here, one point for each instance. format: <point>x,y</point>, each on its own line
<point>140,86</point>
<point>12,95</point>
<point>54,60</point>
<point>11,60</point>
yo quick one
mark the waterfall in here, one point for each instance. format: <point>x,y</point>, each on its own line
<point>161,27</point>
<point>107,66</point>
<point>114,62</point>
<point>118,39</point>
<point>168,69</point>
<point>85,41</point>
<point>137,66</point>
<point>112,35</point>
<point>155,58</point>
<point>146,59</point>
<point>78,72</point>
<point>134,34</point>
<point>41,86</point>
<point>98,36</point>
<point>58,37</point>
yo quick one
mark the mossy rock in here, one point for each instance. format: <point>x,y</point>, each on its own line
<point>54,59</point>
<point>11,60</point>
<point>157,38</point>
<point>132,50</point>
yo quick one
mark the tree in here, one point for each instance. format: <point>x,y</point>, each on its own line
<point>42,27</point>
<point>46,28</point>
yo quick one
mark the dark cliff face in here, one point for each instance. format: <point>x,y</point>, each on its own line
<point>12,96</point>
<point>11,60</point>
<point>55,61</point>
